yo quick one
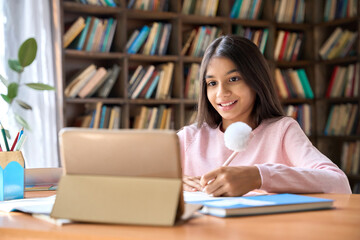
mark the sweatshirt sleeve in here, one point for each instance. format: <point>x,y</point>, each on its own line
<point>307,170</point>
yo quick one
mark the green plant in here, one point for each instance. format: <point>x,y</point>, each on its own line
<point>26,55</point>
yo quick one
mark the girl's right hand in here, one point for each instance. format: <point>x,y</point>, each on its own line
<point>191,184</point>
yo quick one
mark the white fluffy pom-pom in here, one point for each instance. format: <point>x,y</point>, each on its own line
<point>236,136</point>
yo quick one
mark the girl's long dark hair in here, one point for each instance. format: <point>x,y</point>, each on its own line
<point>255,71</point>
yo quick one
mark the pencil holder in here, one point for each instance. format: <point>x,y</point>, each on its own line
<point>11,175</point>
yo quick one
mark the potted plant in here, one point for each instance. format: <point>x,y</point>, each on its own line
<point>26,55</point>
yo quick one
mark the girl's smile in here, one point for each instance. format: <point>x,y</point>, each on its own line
<point>228,92</point>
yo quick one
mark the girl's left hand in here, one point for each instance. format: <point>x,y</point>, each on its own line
<point>231,181</point>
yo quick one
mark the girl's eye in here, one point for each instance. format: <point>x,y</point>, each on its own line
<point>211,83</point>
<point>234,79</point>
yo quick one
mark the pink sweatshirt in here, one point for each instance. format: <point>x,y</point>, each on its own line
<point>285,157</point>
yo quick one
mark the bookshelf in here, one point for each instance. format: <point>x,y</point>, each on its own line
<point>314,29</point>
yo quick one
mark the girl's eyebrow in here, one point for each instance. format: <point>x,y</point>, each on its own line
<point>229,72</point>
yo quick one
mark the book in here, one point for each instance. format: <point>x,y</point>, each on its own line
<point>92,83</point>
<point>305,83</point>
<point>38,207</point>
<point>139,40</point>
<point>74,30</point>
<point>79,81</point>
<point>143,82</point>
<point>105,89</point>
<point>262,204</point>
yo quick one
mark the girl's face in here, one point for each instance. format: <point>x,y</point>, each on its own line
<point>228,93</point>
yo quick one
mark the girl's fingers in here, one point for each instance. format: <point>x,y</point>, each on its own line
<point>210,176</point>
<point>193,183</point>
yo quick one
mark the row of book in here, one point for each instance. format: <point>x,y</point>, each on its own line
<point>350,157</point>
<point>246,9</point>
<point>200,7</point>
<point>154,118</point>
<point>94,34</point>
<point>343,119</point>
<point>151,81</point>
<point>199,39</point>
<point>92,81</point>
<point>288,45</point>
<point>344,81</point>
<point>293,83</point>
<point>290,11</point>
<point>335,9</point>
<point>103,116</point>
<point>256,35</point>
<point>302,114</point>
<point>340,43</point>
<point>192,85</point>
<point>104,3</point>
<point>149,5</point>
<point>150,41</point>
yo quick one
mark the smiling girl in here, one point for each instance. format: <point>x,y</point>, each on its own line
<point>236,85</point>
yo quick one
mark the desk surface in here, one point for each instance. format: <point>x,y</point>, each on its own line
<point>343,222</point>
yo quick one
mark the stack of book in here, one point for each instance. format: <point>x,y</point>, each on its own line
<point>92,81</point>
<point>288,46</point>
<point>150,41</point>
<point>344,81</point>
<point>102,116</point>
<point>293,83</point>
<point>246,9</point>
<point>199,39</point>
<point>343,120</point>
<point>257,36</point>
<point>350,157</point>
<point>151,81</point>
<point>339,44</point>
<point>335,9</point>
<point>290,11</point>
<point>302,114</point>
<point>154,118</point>
<point>94,34</point>
<point>200,7</point>
<point>149,5</point>
<point>192,85</point>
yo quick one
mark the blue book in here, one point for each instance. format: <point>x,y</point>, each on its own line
<point>152,87</point>
<point>140,39</point>
<point>261,204</point>
<point>92,35</point>
<point>83,34</point>
<point>305,83</point>
<point>235,9</point>
<point>102,119</point>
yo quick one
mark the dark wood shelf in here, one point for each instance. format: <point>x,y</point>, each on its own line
<point>73,7</point>
<point>93,55</point>
<point>315,34</point>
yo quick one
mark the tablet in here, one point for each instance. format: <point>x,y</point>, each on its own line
<point>124,152</point>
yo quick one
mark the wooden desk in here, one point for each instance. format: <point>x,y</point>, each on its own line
<point>343,222</point>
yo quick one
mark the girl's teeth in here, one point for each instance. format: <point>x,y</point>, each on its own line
<point>227,104</point>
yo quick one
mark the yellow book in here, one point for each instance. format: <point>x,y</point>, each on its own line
<point>335,51</point>
<point>73,31</point>
<point>163,118</point>
<point>97,115</point>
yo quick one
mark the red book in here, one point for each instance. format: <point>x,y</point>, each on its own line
<point>283,46</point>
<point>148,84</point>
<point>332,80</point>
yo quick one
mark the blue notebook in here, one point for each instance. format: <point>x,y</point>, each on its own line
<point>263,204</point>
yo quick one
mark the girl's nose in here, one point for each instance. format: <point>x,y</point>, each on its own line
<point>223,90</point>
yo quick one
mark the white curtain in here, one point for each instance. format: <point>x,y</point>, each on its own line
<point>20,20</point>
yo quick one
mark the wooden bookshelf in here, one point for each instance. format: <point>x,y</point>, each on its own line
<point>314,29</point>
